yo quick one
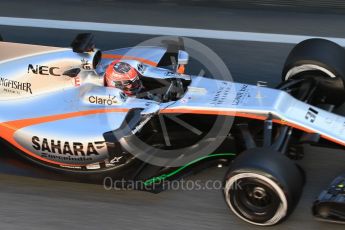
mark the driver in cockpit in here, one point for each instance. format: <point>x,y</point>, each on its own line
<point>123,76</point>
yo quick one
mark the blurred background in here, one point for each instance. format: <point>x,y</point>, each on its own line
<point>31,200</point>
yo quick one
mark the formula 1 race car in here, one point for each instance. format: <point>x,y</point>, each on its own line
<point>57,112</point>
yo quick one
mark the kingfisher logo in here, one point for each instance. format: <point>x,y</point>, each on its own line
<point>15,86</point>
<point>67,148</point>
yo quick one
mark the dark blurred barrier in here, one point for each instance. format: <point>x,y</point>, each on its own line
<point>312,4</point>
<point>326,6</point>
<point>298,5</point>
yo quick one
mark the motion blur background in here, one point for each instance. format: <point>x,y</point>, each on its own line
<point>29,200</point>
<point>294,5</point>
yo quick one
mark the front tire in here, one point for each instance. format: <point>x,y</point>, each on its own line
<point>262,186</point>
<point>322,63</point>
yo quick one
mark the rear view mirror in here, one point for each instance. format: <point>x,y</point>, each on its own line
<point>182,58</point>
<point>83,43</point>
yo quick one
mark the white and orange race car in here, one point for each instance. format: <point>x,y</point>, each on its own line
<point>56,112</point>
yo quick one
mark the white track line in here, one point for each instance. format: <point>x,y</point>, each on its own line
<point>159,30</point>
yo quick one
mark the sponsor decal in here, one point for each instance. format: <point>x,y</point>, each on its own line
<point>141,68</point>
<point>93,166</point>
<point>311,115</point>
<point>172,74</point>
<point>222,93</point>
<point>100,100</point>
<point>43,70</point>
<point>85,64</point>
<point>66,148</point>
<point>169,74</point>
<point>17,87</point>
<point>70,167</point>
<point>65,158</point>
<point>197,90</point>
<point>116,160</point>
<point>123,96</point>
<point>77,81</point>
<point>240,95</point>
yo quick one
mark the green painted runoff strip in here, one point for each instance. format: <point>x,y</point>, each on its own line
<point>164,176</point>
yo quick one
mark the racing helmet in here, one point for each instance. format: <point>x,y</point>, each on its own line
<point>123,76</point>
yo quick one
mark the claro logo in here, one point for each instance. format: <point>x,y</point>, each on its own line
<point>66,147</point>
<point>101,100</point>
<point>43,70</point>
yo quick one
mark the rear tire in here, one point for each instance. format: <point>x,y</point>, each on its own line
<point>262,186</point>
<point>324,62</point>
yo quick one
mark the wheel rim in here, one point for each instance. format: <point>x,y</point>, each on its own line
<point>256,199</point>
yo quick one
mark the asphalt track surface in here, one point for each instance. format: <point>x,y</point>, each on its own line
<point>28,201</point>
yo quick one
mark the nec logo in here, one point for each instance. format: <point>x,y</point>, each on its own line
<point>43,70</point>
